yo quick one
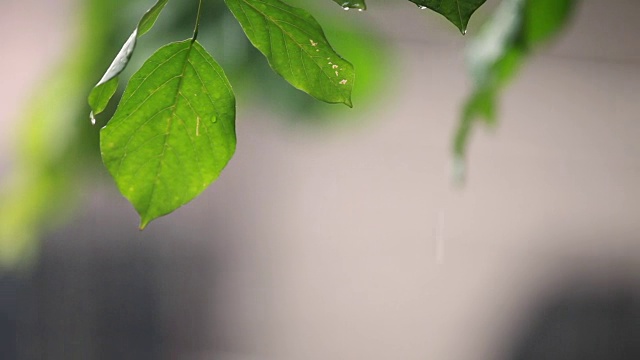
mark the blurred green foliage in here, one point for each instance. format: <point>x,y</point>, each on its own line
<point>507,39</point>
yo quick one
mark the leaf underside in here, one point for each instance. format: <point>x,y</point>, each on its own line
<point>173,132</point>
<point>295,46</point>
<point>458,12</point>
<point>102,93</point>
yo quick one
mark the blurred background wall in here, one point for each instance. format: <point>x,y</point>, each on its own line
<point>351,242</point>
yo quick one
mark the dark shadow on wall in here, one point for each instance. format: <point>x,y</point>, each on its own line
<point>583,320</point>
<point>90,307</point>
<point>97,293</point>
<point>8,317</point>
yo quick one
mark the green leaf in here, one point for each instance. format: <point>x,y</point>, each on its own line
<point>150,17</point>
<point>295,46</point>
<point>173,132</point>
<point>108,84</point>
<point>352,4</point>
<point>457,11</point>
<point>496,55</point>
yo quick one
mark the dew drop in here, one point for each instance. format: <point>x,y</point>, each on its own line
<point>214,119</point>
<point>93,118</point>
<point>350,4</point>
<point>421,7</point>
<point>345,8</point>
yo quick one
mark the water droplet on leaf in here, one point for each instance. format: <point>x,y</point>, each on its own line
<point>352,4</point>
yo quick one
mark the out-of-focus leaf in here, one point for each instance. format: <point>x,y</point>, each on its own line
<point>502,46</point>
<point>544,18</point>
<point>496,38</point>
<point>352,4</point>
<point>107,86</point>
<point>458,12</point>
<point>296,48</point>
<point>54,152</point>
<point>173,132</point>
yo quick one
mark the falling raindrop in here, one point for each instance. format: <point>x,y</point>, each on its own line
<point>459,170</point>
<point>93,118</point>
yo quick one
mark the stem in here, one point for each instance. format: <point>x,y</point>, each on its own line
<point>195,30</point>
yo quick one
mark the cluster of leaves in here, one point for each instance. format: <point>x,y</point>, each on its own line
<point>174,129</point>
<point>57,155</point>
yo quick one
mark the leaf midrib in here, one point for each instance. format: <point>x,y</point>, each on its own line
<point>460,16</point>
<point>168,133</point>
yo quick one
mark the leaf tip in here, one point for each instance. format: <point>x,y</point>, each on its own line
<point>143,223</point>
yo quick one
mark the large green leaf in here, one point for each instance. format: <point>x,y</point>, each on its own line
<point>502,46</point>
<point>352,4</point>
<point>173,132</point>
<point>296,48</point>
<point>457,11</point>
<point>108,84</point>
